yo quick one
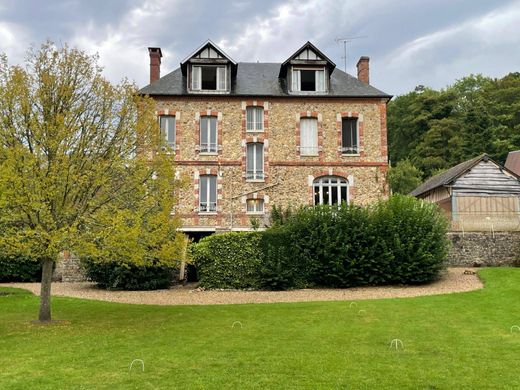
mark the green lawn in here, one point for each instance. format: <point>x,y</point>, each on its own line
<point>457,341</point>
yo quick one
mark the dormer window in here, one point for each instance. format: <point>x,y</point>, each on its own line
<point>208,78</point>
<point>311,80</point>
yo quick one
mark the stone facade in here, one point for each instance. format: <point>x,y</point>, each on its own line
<point>484,249</point>
<point>288,175</point>
<point>69,269</point>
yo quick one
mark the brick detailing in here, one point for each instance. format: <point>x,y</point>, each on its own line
<point>212,113</point>
<point>255,136</point>
<point>332,172</point>
<point>484,248</point>
<point>318,117</point>
<point>178,128</point>
<point>360,129</point>
<point>384,138</point>
<point>196,187</point>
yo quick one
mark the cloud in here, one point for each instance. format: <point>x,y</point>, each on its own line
<point>479,45</point>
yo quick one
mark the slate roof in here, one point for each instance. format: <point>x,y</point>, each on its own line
<point>513,162</point>
<point>261,79</point>
<point>448,176</point>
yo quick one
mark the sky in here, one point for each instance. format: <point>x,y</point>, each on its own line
<point>409,42</point>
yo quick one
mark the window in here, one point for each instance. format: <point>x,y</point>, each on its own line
<point>308,80</point>
<point>167,123</point>
<point>255,206</point>
<point>208,194</point>
<point>330,190</point>
<point>255,119</point>
<point>208,77</point>
<point>309,137</point>
<point>255,161</point>
<point>208,134</point>
<point>349,136</point>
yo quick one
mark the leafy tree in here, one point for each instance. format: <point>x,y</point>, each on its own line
<point>404,177</point>
<point>82,166</point>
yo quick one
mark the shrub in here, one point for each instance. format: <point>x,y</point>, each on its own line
<point>280,268</point>
<point>229,260</point>
<point>122,276</point>
<point>413,234</point>
<point>20,270</point>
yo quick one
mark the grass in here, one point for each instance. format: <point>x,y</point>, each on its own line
<point>456,341</point>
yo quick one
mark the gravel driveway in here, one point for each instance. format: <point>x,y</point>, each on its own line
<point>453,281</point>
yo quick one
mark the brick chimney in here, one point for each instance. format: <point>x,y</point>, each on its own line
<point>362,69</point>
<point>155,63</point>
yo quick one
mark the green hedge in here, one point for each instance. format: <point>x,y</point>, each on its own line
<point>400,240</point>
<point>121,276</point>
<point>20,270</point>
<point>230,260</point>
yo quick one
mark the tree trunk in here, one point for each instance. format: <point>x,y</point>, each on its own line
<point>45,293</point>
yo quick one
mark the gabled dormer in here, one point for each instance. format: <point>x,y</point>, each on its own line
<point>209,70</point>
<point>307,71</point>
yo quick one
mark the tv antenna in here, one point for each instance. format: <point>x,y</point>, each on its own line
<point>345,41</point>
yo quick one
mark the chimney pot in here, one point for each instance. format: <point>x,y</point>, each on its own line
<point>155,63</point>
<point>362,70</point>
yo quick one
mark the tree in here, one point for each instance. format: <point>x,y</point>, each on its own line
<point>82,165</point>
<point>404,177</point>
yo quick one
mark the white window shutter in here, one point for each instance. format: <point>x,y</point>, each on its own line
<point>221,78</point>
<point>295,80</point>
<point>320,80</point>
<point>195,77</point>
<point>308,136</point>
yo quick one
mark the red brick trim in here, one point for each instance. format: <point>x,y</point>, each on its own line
<point>252,137</point>
<point>326,164</point>
<point>178,128</point>
<point>213,113</point>
<point>384,139</point>
<point>196,189</point>
<point>318,117</point>
<point>361,132</point>
<point>208,163</point>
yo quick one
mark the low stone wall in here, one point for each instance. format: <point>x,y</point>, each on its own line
<point>68,269</point>
<point>484,249</point>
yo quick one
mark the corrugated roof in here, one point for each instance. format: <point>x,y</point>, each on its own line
<point>513,162</point>
<point>261,79</point>
<point>448,176</point>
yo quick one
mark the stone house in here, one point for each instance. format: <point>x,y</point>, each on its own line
<point>251,135</point>
<point>477,195</point>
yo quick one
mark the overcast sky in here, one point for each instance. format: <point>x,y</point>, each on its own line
<point>409,42</point>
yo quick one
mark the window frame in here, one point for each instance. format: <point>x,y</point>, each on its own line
<point>211,207</point>
<point>218,78</point>
<point>255,112</point>
<point>315,149</point>
<point>258,173</point>
<point>352,151</point>
<point>296,75</point>
<point>165,134</point>
<point>211,149</point>
<point>323,182</point>
<point>257,210</point>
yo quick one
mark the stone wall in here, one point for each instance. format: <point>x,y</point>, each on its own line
<point>484,249</point>
<point>289,175</point>
<point>68,269</point>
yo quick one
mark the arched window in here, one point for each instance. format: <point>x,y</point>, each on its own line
<point>330,190</point>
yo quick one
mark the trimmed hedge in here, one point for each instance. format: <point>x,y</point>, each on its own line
<point>20,270</point>
<point>230,260</point>
<point>121,276</point>
<point>400,240</point>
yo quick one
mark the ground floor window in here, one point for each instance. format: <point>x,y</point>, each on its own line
<point>208,194</point>
<point>255,205</point>
<point>330,190</point>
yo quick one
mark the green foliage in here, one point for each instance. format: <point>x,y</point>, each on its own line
<point>436,130</point>
<point>20,270</point>
<point>400,240</point>
<point>279,215</point>
<point>120,276</point>
<point>229,260</point>
<point>404,177</point>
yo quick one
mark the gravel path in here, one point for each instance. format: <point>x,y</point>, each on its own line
<point>453,281</point>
